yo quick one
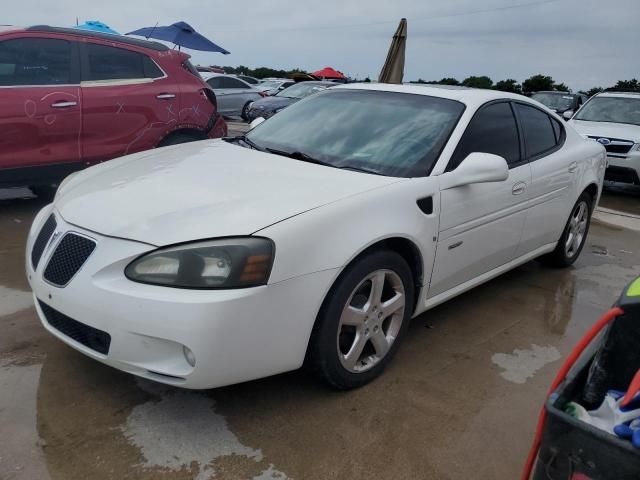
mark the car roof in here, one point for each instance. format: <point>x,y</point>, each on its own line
<point>316,82</point>
<point>468,96</point>
<point>556,92</point>
<point>9,28</point>
<point>619,94</point>
<point>137,42</point>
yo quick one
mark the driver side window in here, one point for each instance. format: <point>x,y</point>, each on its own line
<point>493,130</point>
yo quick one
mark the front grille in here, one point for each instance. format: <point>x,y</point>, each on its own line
<point>612,148</point>
<point>41,240</point>
<point>617,146</point>
<point>71,253</point>
<point>88,336</point>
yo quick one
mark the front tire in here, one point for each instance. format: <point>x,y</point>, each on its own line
<point>44,192</point>
<point>178,138</point>
<point>245,111</point>
<point>574,235</point>
<point>362,320</point>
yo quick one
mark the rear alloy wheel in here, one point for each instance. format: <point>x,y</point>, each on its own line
<point>574,235</point>
<point>362,320</point>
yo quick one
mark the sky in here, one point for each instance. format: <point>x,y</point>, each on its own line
<point>583,43</point>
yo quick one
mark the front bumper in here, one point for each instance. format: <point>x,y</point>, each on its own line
<point>624,169</point>
<point>235,335</point>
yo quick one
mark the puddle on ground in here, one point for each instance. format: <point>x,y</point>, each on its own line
<point>13,300</point>
<point>521,365</point>
<point>22,456</point>
<point>183,428</point>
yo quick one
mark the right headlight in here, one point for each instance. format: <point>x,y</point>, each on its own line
<point>211,264</point>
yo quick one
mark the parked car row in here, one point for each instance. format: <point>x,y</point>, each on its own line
<point>71,98</point>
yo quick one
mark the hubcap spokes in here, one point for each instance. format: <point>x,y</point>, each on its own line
<point>370,320</point>
<point>577,229</point>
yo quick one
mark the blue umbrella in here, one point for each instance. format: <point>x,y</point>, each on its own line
<point>96,26</point>
<point>181,34</point>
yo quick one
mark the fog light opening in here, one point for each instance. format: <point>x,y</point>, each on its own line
<point>189,356</point>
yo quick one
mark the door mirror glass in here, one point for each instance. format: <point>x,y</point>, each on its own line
<point>477,167</point>
<point>567,115</point>
<point>256,122</point>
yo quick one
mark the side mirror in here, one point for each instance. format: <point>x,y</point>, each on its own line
<point>255,122</point>
<point>477,167</point>
<point>567,114</point>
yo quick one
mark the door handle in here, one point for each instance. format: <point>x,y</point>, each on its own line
<point>573,167</point>
<point>519,188</point>
<point>166,96</point>
<point>64,104</point>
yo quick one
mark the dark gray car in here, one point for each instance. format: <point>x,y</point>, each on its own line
<point>268,106</point>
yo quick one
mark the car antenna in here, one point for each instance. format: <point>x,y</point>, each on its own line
<point>151,32</point>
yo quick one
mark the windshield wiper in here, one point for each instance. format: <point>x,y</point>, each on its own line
<point>244,139</point>
<point>299,156</point>
<point>363,169</point>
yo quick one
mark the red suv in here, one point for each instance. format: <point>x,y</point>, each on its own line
<point>71,98</point>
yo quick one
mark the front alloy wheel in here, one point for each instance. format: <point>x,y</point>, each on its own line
<point>362,320</point>
<point>370,321</point>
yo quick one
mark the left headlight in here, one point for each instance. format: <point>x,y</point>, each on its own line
<point>222,263</point>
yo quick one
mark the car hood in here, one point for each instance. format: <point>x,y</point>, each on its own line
<point>622,131</point>
<point>201,190</point>
<point>272,103</point>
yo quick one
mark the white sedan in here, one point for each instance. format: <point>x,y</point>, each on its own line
<point>314,238</point>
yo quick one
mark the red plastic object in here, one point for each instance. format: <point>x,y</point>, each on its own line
<point>562,373</point>
<point>634,387</point>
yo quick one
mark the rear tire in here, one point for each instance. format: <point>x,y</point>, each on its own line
<point>44,192</point>
<point>362,320</point>
<point>178,138</point>
<point>574,235</point>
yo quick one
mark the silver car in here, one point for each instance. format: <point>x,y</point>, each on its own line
<point>233,95</point>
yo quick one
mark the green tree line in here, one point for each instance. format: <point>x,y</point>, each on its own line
<point>534,83</point>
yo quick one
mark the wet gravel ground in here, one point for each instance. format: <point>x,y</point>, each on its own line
<point>460,400</point>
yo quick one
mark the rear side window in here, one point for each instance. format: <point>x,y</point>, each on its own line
<point>228,82</point>
<point>557,130</point>
<point>493,130</point>
<point>112,63</point>
<point>215,82</point>
<point>35,61</point>
<point>540,134</point>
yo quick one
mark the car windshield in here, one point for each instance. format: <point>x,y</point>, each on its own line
<point>611,109</point>
<point>389,133</point>
<point>270,84</point>
<point>300,90</point>
<point>555,101</point>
